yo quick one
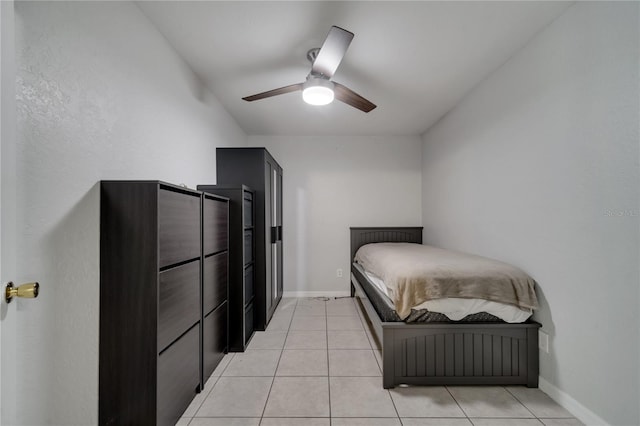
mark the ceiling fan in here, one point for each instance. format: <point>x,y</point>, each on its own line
<point>319,89</point>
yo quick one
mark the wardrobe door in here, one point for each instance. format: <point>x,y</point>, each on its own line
<point>279,251</point>
<point>275,224</point>
<point>275,196</point>
<point>269,242</point>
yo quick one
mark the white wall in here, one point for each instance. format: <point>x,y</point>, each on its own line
<point>538,166</point>
<point>100,95</point>
<point>332,183</point>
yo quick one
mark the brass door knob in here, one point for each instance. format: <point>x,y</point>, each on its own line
<point>28,290</point>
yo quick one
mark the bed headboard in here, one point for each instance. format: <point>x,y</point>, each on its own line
<point>362,236</point>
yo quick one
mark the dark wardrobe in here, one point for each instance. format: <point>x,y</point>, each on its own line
<point>256,168</point>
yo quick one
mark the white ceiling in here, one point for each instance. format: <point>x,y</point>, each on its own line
<point>415,60</point>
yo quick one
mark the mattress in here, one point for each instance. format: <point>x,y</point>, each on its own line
<point>387,313</point>
<point>415,274</point>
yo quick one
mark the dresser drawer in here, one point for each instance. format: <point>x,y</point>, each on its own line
<point>214,339</point>
<point>179,301</point>
<point>248,284</point>
<point>215,217</point>
<point>248,323</point>
<point>248,246</point>
<point>178,377</point>
<point>247,215</point>
<point>179,225</point>
<point>214,281</point>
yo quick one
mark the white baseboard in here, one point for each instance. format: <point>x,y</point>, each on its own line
<point>581,412</point>
<point>316,294</point>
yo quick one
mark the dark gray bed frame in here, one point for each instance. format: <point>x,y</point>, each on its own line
<point>445,353</point>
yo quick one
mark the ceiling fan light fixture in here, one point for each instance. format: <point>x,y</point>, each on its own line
<point>318,91</point>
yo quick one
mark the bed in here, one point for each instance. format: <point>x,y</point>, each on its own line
<point>484,351</point>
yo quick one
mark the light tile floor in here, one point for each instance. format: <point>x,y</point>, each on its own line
<point>317,364</point>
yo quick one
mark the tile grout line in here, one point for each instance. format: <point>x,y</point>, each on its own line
<point>523,404</point>
<point>278,363</point>
<point>365,326</point>
<point>459,406</point>
<point>394,405</point>
<point>393,402</point>
<point>212,386</point>
<point>326,321</point>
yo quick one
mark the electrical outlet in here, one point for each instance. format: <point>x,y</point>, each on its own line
<point>339,272</point>
<point>543,341</point>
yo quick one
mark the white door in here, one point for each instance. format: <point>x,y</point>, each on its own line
<point>18,371</point>
<point>8,312</point>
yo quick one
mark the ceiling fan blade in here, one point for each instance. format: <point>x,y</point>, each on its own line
<point>274,92</point>
<point>332,52</point>
<point>349,97</point>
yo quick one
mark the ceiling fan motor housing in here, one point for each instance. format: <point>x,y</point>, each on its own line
<point>312,54</point>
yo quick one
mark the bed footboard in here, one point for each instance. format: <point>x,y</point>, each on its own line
<point>456,354</point>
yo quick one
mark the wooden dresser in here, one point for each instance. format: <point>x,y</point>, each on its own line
<point>215,273</point>
<point>241,262</point>
<point>163,299</point>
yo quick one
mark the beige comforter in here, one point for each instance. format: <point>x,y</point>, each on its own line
<point>416,273</point>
